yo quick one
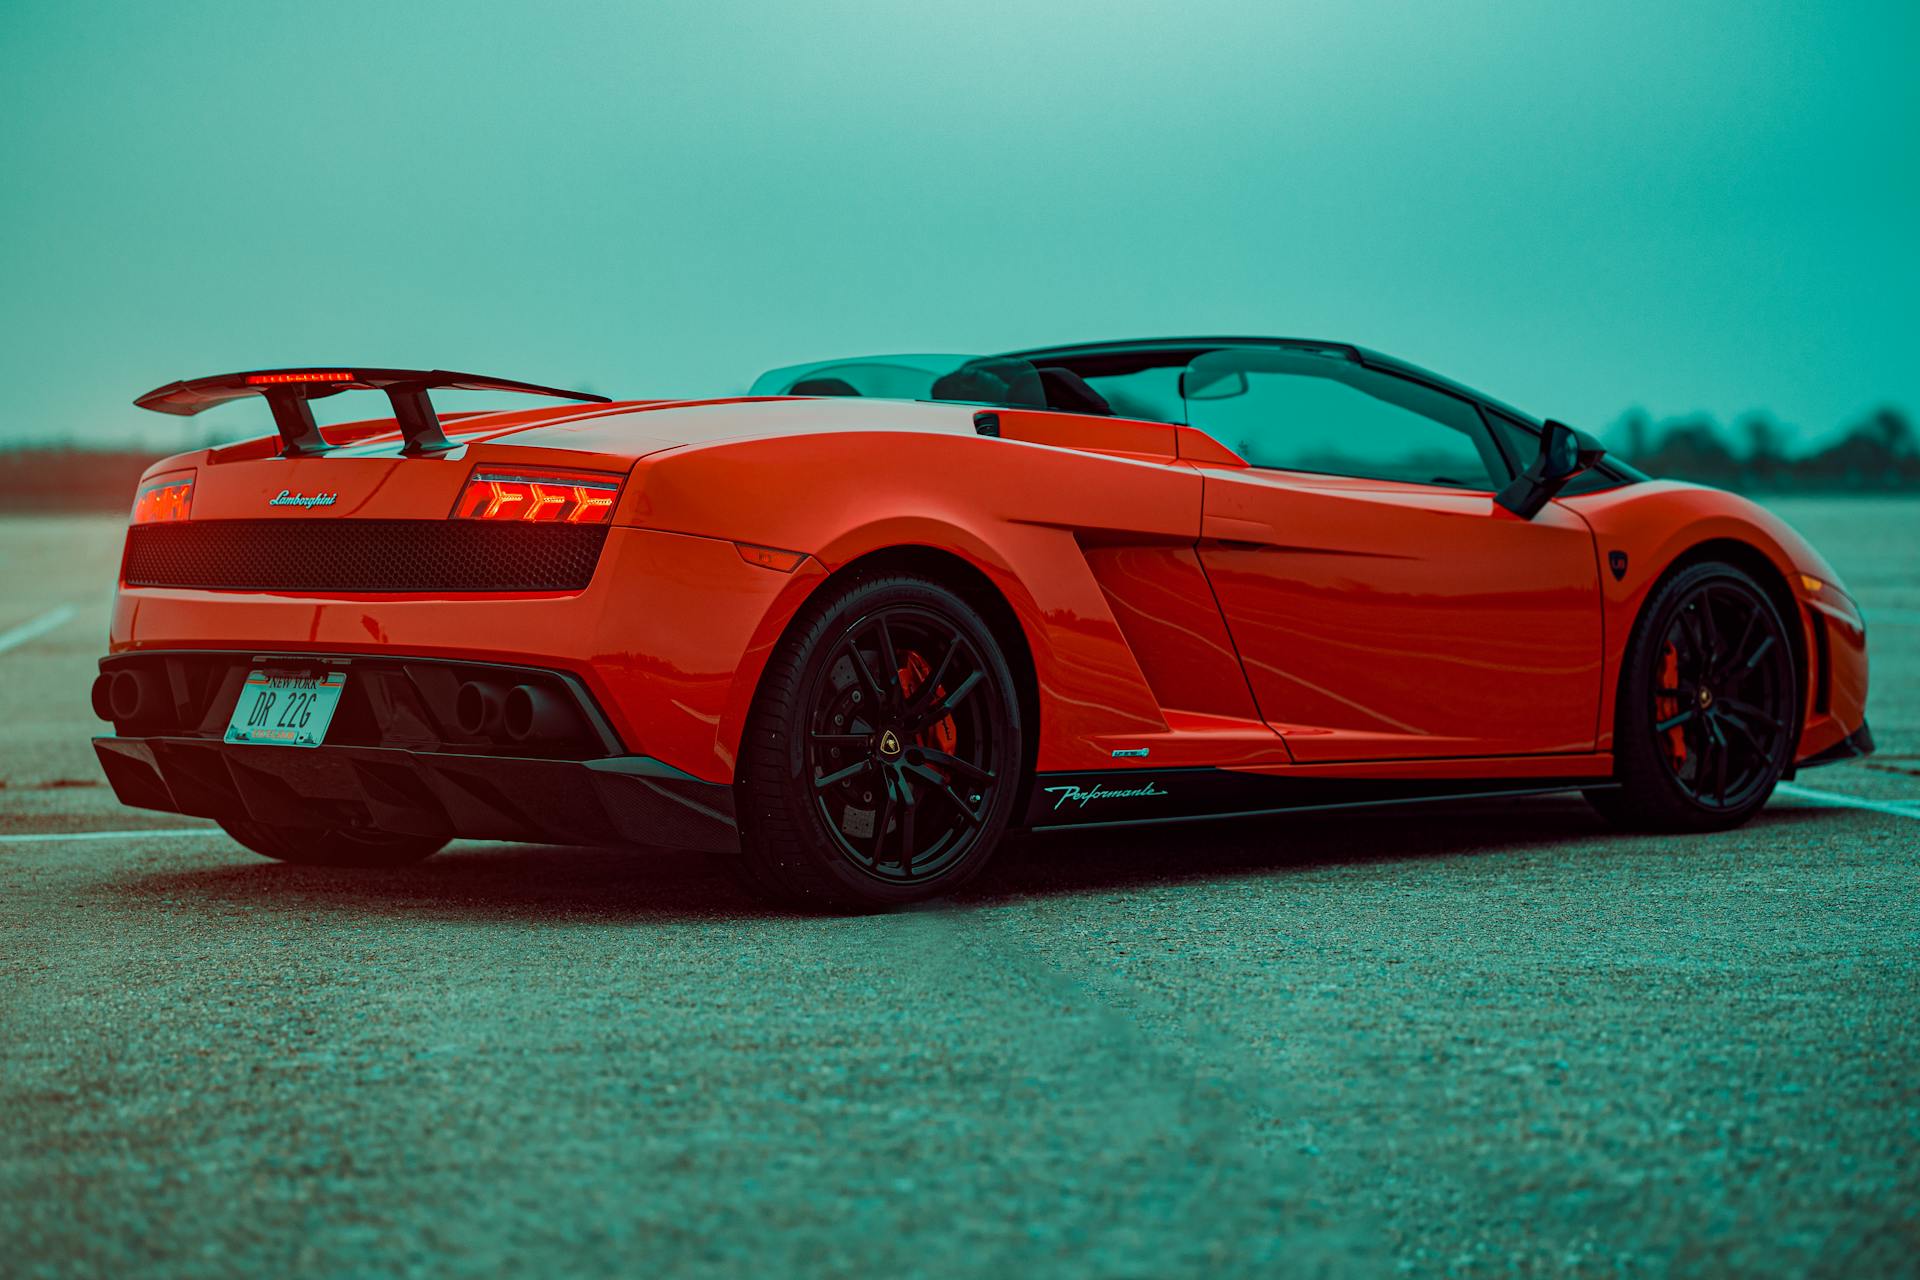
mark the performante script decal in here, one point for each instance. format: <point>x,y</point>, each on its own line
<point>1082,795</point>
<point>302,500</point>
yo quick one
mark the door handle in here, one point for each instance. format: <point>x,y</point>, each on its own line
<point>1237,532</point>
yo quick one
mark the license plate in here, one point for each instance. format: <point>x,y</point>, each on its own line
<point>283,709</point>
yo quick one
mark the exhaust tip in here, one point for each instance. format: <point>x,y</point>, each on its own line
<point>102,696</point>
<point>476,709</point>
<point>133,697</point>
<point>533,713</point>
<point>124,696</point>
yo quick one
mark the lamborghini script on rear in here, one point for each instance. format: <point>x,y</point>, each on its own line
<point>858,624</point>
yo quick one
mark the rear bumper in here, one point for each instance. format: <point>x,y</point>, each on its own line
<point>668,640</point>
<point>615,800</point>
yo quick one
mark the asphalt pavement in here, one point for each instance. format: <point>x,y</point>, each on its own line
<point>1470,1040</point>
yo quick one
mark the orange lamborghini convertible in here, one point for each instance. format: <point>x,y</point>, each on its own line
<point>856,626</point>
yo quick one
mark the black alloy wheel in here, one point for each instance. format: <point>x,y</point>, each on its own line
<point>902,751</point>
<point>1709,705</point>
<point>886,749</point>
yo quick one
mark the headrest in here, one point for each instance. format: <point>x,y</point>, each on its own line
<point>1069,391</point>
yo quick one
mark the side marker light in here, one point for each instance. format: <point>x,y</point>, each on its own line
<point>770,557</point>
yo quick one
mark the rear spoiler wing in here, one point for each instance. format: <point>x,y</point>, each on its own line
<point>287,392</point>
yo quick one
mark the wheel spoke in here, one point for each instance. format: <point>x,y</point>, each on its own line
<point>841,739</point>
<point>930,687</point>
<point>1759,652</point>
<point>1700,744</point>
<point>1674,722</point>
<point>946,705</point>
<point>1746,633</point>
<point>966,811</point>
<point>1761,749</point>
<point>1702,654</point>
<point>882,818</point>
<point>891,662</point>
<point>1719,761</point>
<point>1709,627</point>
<point>874,687</point>
<point>1747,711</point>
<point>945,788</point>
<point>1700,752</point>
<point>834,779</point>
<point>908,803</point>
<point>954,764</point>
<point>924,773</point>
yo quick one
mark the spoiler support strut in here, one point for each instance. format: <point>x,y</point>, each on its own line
<point>288,393</point>
<point>293,418</point>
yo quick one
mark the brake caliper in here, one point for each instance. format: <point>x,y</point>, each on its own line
<point>943,736</point>
<point>1665,707</point>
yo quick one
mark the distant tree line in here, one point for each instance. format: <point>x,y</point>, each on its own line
<point>63,478</point>
<point>1878,454</point>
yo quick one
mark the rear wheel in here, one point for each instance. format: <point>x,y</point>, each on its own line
<point>332,846</point>
<point>884,749</point>
<point>1708,709</point>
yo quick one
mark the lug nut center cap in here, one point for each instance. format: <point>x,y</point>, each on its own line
<point>889,743</point>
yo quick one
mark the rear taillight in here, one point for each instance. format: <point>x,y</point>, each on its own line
<point>538,497</point>
<point>164,498</point>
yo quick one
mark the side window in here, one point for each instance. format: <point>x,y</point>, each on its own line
<point>1305,410</point>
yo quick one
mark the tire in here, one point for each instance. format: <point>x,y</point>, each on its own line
<point>855,792</point>
<point>1709,707</point>
<point>332,846</point>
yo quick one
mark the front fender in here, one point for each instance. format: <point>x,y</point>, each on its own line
<point>1656,524</point>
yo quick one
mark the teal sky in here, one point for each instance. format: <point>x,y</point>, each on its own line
<point>1578,207</point>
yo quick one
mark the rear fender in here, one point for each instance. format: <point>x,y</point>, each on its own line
<point>1012,510</point>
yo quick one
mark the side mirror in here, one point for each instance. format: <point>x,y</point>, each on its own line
<point>1564,454</point>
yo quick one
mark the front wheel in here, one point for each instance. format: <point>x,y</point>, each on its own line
<point>884,749</point>
<point>1708,710</point>
<point>331,846</point>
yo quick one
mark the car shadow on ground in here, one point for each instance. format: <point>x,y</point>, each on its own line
<point>1127,857</point>
<point>534,882</point>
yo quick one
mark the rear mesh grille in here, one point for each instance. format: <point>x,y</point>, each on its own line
<point>363,555</point>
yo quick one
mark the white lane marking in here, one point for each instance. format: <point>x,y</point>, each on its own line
<point>110,835</point>
<point>37,627</point>
<point>1900,809</point>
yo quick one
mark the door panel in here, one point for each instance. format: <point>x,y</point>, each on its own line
<point>1383,621</point>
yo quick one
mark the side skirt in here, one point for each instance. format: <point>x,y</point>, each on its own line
<point>1134,797</point>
